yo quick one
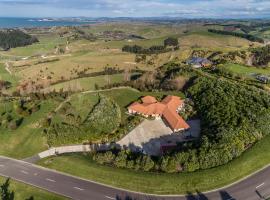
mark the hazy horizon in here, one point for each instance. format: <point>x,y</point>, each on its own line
<point>215,9</point>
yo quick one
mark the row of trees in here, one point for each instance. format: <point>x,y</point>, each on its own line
<point>249,37</point>
<point>141,50</point>
<point>15,38</point>
<point>156,49</point>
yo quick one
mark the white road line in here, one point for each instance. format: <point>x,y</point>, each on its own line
<point>24,172</point>
<point>110,197</point>
<point>47,179</point>
<point>259,185</point>
<point>2,165</point>
<point>77,188</point>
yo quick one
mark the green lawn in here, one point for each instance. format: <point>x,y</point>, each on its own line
<point>245,70</point>
<point>252,160</point>
<point>23,191</point>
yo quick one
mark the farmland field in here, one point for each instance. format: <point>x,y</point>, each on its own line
<point>247,70</point>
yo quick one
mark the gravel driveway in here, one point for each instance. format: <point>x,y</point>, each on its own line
<point>151,134</point>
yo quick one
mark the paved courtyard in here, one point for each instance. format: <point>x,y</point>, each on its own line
<point>151,134</point>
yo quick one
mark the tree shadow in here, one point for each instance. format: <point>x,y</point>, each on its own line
<point>225,195</point>
<point>198,195</point>
<point>132,197</point>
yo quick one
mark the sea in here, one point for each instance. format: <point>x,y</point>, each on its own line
<point>7,22</point>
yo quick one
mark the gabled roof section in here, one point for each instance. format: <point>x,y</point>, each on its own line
<point>174,120</point>
<point>149,99</point>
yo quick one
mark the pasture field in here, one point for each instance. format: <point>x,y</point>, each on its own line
<point>46,45</point>
<point>246,70</point>
<point>41,60</point>
<point>88,83</point>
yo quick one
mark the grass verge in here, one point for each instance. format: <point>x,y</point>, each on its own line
<point>156,183</point>
<point>23,191</point>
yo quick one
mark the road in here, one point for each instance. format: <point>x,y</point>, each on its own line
<point>253,188</point>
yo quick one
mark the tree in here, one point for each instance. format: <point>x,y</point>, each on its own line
<point>171,42</point>
<point>6,194</point>
<point>127,74</point>
<point>12,38</point>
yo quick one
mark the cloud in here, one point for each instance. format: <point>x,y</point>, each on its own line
<point>136,8</point>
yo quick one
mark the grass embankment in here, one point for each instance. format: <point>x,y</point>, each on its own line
<point>28,139</point>
<point>23,191</point>
<point>245,70</point>
<point>252,160</point>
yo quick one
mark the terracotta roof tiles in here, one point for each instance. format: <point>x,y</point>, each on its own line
<point>167,108</point>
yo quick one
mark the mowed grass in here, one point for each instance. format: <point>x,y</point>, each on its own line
<point>246,70</point>
<point>88,83</point>
<point>23,191</point>
<point>28,139</point>
<point>157,183</point>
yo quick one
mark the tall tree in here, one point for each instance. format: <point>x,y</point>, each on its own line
<point>6,194</point>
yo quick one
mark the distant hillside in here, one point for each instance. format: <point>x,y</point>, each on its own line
<point>12,38</point>
<point>249,37</point>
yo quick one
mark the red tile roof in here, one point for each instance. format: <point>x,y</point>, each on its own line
<point>167,108</point>
<point>149,99</point>
<point>174,120</point>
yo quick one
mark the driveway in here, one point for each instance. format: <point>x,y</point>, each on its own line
<point>151,134</point>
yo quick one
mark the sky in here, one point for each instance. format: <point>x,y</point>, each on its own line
<point>136,8</point>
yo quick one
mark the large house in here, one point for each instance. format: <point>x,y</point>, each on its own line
<point>198,62</point>
<point>167,109</point>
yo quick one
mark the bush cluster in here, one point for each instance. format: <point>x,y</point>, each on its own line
<point>12,38</point>
<point>261,56</point>
<point>12,117</point>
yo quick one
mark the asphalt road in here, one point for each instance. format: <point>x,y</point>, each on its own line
<point>253,188</point>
